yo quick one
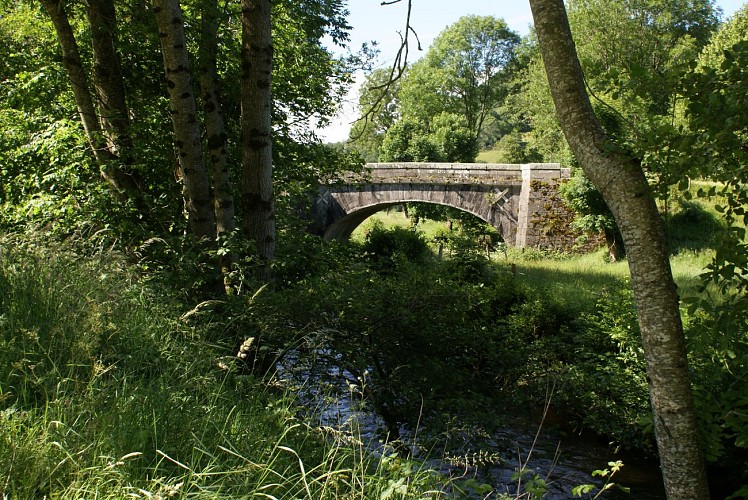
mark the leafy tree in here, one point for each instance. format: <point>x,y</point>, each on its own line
<point>452,136</point>
<point>378,104</point>
<point>309,81</point>
<point>632,54</point>
<point>407,140</point>
<point>445,139</point>
<point>627,193</point>
<point>714,145</point>
<point>40,101</point>
<point>465,72</point>
<point>630,50</point>
<point>120,178</point>
<point>531,107</point>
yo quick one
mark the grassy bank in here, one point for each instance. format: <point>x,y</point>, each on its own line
<point>106,391</point>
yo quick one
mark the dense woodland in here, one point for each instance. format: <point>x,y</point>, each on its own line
<point>169,328</point>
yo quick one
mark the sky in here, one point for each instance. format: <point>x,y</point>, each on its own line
<point>372,21</point>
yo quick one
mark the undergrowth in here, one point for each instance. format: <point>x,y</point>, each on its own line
<point>105,392</point>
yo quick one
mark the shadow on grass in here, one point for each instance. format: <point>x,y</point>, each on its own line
<point>693,228</point>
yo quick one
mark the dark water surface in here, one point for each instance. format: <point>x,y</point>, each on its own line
<point>563,458</point>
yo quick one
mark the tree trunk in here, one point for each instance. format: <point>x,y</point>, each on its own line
<point>223,196</point>
<point>121,181</point>
<point>624,187</point>
<point>108,83</point>
<point>257,159</point>
<point>187,138</point>
<point>613,241</point>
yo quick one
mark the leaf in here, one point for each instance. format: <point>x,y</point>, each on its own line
<point>394,488</point>
<point>582,489</point>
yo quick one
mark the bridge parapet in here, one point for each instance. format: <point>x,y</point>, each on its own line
<point>452,173</point>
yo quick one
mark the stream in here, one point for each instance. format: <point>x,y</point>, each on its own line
<point>563,458</point>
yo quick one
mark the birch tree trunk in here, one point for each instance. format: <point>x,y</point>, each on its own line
<point>215,128</point>
<point>120,180</point>
<point>187,137</point>
<point>621,181</point>
<point>108,83</point>
<point>257,158</point>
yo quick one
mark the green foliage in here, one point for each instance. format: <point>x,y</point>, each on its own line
<point>445,139</point>
<point>531,484</point>
<point>592,215</point>
<point>693,227</point>
<point>633,57</point>
<point>378,103</point>
<point>408,140</point>
<point>608,474</point>
<point>636,76</point>
<point>454,139</point>
<point>531,108</point>
<point>444,99</point>
<point>611,375</point>
<point>395,336</point>
<point>386,248</point>
<point>713,145</point>
<point>49,175</point>
<point>715,136</point>
<point>105,390</point>
<point>511,148</point>
<point>585,200</point>
<point>308,81</point>
<point>464,72</point>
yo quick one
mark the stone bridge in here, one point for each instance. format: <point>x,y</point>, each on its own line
<point>512,198</point>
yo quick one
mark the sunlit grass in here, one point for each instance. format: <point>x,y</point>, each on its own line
<point>394,217</point>
<point>489,156</point>
<point>574,280</point>
<point>107,392</point>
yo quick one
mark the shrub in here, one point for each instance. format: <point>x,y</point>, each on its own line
<point>386,248</point>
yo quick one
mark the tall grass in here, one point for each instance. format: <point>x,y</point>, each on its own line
<point>106,393</point>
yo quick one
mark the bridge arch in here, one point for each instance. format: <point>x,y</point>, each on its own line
<point>503,195</point>
<point>343,227</point>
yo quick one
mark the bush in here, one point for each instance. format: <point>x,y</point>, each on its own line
<point>386,248</point>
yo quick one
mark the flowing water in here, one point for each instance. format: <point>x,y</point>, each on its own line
<point>561,457</point>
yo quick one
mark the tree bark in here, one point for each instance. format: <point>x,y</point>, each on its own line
<point>187,137</point>
<point>223,195</point>
<point>624,187</point>
<point>120,180</point>
<point>613,241</point>
<point>108,82</point>
<point>257,158</point>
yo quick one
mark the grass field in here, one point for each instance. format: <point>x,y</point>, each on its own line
<point>488,156</point>
<point>573,279</point>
